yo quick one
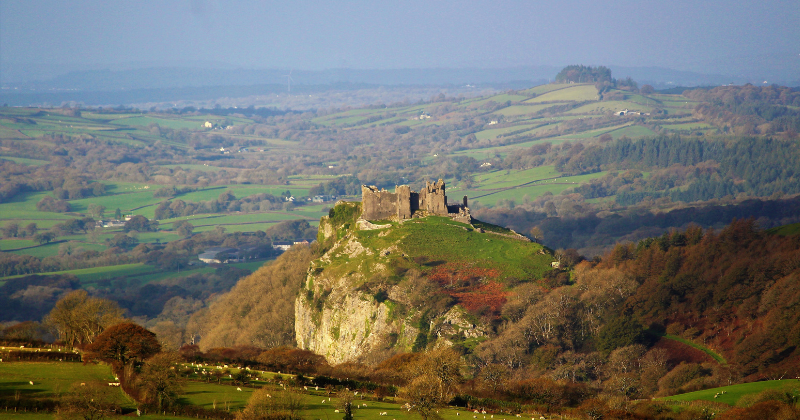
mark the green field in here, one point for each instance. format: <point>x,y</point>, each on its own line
<point>575,93</point>
<point>51,379</point>
<point>26,161</point>
<point>786,230</point>
<point>517,110</point>
<point>734,392</point>
<point>511,257</point>
<point>517,185</point>
<point>542,89</point>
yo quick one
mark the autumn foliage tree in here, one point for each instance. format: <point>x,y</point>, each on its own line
<point>124,343</point>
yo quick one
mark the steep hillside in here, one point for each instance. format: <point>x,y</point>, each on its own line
<point>390,287</point>
<point>258,310</point>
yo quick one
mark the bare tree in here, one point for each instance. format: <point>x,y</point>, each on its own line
<point>79,318</point>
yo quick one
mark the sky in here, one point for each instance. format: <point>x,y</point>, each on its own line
<point>756,38</point>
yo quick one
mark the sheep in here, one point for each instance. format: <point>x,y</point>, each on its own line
<point>238,389</point>
<point>31,382</point>
<point>335,411</point>
<point>83,384</point>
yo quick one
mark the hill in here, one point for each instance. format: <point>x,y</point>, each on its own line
<point>395,287</point>
<point>367,291</point>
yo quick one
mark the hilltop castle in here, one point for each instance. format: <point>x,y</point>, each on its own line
<point>404,204</point>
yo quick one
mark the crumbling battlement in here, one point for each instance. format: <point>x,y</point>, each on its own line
<point>404,204</point>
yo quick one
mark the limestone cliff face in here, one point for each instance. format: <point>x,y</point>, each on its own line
<point>346,315</point>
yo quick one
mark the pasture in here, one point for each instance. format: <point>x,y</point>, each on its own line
<point>574,93</point>
<point>731,394</point>
<point>51,379</point>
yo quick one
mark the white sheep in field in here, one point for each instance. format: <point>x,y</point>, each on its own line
<point>31,382</point>
<point>335,411</point>
<point>238,389</point>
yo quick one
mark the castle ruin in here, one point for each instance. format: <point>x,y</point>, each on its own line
<point>404,204</point>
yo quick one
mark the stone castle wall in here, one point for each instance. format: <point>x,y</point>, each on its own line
<point>403,203</point>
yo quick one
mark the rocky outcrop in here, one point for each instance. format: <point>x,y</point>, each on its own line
<point>342,314</point>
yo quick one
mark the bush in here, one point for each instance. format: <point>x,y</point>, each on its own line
<point>53,205</point>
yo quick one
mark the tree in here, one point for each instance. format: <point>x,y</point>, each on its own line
<point>494,375</point>
<point>43,238</point>
<point>140,223</point>
<point>647,90</point>
<point>346,398</point>
<point>160,382</point>
<point>272,404</point>
<point>124,343</point>
<point>118,214</point>
<point>87,401</point>
<point>51,204</point>
<point>11,230</point>
<point>97,210</point>
<point>122,240</point>
<point>536,234</point>
<point>445,365</point>
<point>620,332</point>
<point>184,228</point>
<point>424,395</point>
<point>79,318</point>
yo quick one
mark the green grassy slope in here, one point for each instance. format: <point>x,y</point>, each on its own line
<point>731,394</point>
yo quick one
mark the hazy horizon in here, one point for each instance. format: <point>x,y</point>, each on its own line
<point>42,39</point>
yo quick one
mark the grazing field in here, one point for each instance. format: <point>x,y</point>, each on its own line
<point>542,89</point>
<point>733,393</point>
<point>51,379</point>
<point>510,257</point>
<point>521,192</point>
<point>575,93</point>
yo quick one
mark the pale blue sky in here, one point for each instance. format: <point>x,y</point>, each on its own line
<point>745,37</point>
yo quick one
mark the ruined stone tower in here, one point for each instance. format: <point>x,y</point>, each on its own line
<point>404,204</point>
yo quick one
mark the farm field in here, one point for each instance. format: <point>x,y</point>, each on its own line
<point>733,393</point>
<point>577,93</point>
<point>51,379</point>
<point>519,193</point>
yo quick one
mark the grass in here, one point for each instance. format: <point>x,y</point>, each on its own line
<point>25,161</point>
<point>575,93</point>
<point>95,274</point>
<point>424,237</point>
<point>206,395</point>
<point>607,106</point>
<point>786,230</point>
<point>632,131</point>
<point>518,185</point>
<point>517,110</point>
<point>542,89</point>
<point>734,392</point>
<point>51,379</point>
